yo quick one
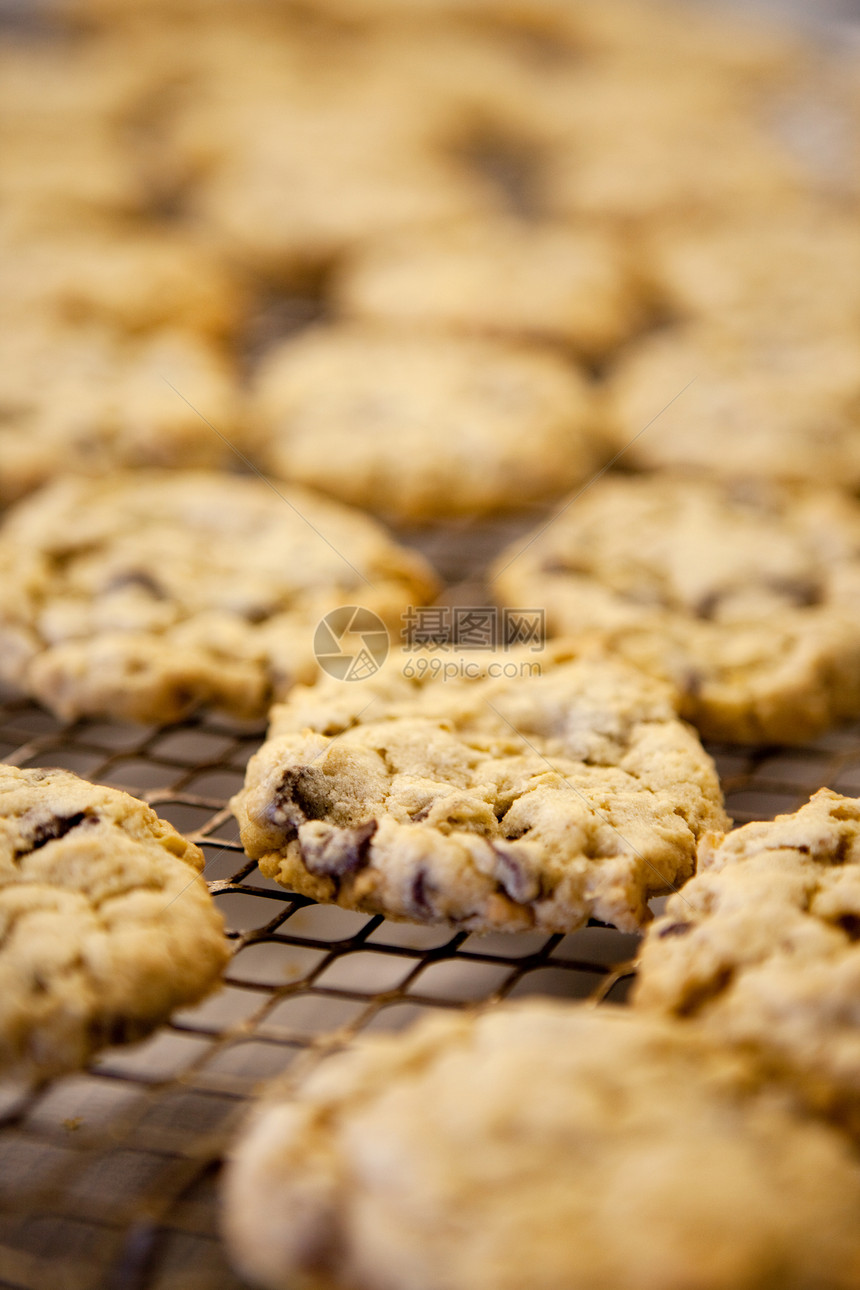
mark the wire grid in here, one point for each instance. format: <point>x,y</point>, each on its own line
<point>108,1178</point>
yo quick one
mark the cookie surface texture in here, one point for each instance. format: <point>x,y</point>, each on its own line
<point>105,924</point>
<point>148,594</point>
<point>484,802</point>
<point>746,596</point>
<point>543,1145</point>
<point>762,949</point>
<point>418,426</point>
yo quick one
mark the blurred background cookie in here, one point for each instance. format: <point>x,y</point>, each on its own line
<point>420,426</point>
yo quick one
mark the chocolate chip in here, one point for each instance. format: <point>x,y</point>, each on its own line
<point>418,893</point>
<point>303,794</point>
<point>513,873</point>
<point>850,924</point>
<point>56,826</point>
<point>257,614</point>
<point>141,580</point>
<point>338,851</point>
<point>802,592</point>
<point>675,929</point>
<point>422,813</point>
<point>706,606</point>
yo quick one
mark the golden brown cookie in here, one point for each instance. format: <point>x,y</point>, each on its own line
<point>105,925</point>
<point>145,594</point>
<point>417,426</point>
<point>741,400</point>
<point>89,398</point>
<point>520,789</point>
<point>556,282</point>
<point>746,596</point>
<point>539,1145</point>
<point>760,950</point>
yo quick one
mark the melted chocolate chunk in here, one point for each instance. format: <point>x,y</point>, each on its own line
<point>55,827</point>
<point>302,795</point>
<point>141,580</point>
<point>850,924</point>
<point>418,894</point>
<point>675,929</point>
<point>706,607</point>
<point>514,875</point>
<point>339,851</point>
<point>802,592</point>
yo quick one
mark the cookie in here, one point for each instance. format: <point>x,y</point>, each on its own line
<point>105,925</point>
<point>87,398</point>
<point>147,594</point>
<point>635,143</point>
<point>761,950</point>
<point>539,1145</point>
<point>419,427</point>
<point>798,262</point>
<point>532,790</point>
<point>746,596</point>
<point>299,177</point>
<point>56,179</point>
<point>741,400</point>
<point>552,282</point>
<point>134,281</point>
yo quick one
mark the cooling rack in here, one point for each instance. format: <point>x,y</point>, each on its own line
<point>109,1178</point>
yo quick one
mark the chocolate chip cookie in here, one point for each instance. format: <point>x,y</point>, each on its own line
<point>105,925</point>
<point>554,281</point>
<point>762,950</point>
<point>745,595</point>
<point>149,593</point>
<point>420,427</point>
<point>539,1145</point>
<point>532,790</point>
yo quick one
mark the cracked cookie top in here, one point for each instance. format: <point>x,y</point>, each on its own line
<point>745,595</point>
<point>542,1145</point>
<point>491,801</point>
<point>105,924</point>
<point>148,594</point>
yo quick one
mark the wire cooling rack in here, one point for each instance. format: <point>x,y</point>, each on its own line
<point>109,1178</point>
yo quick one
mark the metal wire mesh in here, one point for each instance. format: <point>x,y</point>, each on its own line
<point>109,1177</point>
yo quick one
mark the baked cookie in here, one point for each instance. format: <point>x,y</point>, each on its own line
<point>147,594</point>
<point>87,398</point>
<point>419,427</point>
<point>799,261</point>
<point>741,400</point>
<point>300,175</point>
<point>135,281</point>
<point>746,596</point>
<point>761,950</point>
<point>532,790</point>
<point>54,178</point>
<point>105,925</point>
<point>638,143</point>
<point>539,1145</point>
<point>554,282</point>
